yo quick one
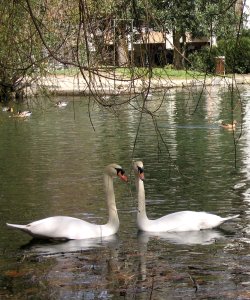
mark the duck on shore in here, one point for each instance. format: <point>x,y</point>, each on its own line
<point>61,104</point>
<point>7,108</point>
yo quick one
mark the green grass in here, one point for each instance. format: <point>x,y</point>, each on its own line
<point>160,72</point>
<point>136,72</point>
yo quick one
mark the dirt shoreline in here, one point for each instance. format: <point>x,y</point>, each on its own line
<point>77,85</point>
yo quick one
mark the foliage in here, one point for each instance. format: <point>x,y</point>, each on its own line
<point>203,60</point>
<point>40,35</point>
<point>217,18</point>
<point>199,18</point>
<point>237,52</point>
<point>18,52</point>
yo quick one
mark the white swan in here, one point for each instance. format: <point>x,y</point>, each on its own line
<point>61,227</point>
<point>174,222</point>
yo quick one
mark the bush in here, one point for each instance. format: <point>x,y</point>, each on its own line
<point>203,60</point>
<point>237,54</point>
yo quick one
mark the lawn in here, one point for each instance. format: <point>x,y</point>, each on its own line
<point>136,72</point>
<point>160,73</point>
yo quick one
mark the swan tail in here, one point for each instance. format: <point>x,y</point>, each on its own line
<point>17,226</point>
<point>230,218</point>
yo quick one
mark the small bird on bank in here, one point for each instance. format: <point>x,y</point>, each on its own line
<point>61,104</point>
<point>230,126</point>
<point>7,108</point>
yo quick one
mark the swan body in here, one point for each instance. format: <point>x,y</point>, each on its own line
<point>61,104</point>
<point>174,222</point>
<point>63,227</point>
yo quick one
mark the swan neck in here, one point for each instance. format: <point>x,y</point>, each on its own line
<point>141,196</point>
<point>111,205</point>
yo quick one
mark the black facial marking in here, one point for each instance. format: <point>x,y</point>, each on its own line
<point>140,170</point>
<point>119,170</point>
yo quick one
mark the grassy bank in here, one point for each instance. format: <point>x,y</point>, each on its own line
<point>137,72</point>
<point>160,73</point>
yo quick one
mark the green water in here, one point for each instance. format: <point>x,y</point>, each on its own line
<point>52,164</point>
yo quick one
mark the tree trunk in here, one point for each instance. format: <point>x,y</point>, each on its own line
<point>184,50</point>
<point>122,51</point>
<point>177,60</point>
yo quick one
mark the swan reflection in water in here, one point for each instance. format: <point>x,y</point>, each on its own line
<point>45,247</point>
<point>202,237</point>
<point>53,247</point>
<point>73,266</point>
<point>190,240</point>
<point>91,260</point>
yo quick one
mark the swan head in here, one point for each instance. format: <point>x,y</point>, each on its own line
<point>114,170</point>
<point>138,169</point>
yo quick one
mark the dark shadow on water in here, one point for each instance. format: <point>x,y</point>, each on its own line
<point>202,237</point>
<point>56,247</point>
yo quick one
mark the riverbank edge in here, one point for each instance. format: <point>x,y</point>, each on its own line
<point>62,85</point>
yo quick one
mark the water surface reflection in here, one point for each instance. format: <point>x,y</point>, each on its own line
<point>202,237</point>
<point>43,247</point>
<point>52,164</point>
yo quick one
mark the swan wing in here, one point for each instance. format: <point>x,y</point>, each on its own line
<point>187,221</point>
<point>60,227</point>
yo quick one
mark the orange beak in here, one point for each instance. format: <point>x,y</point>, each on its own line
<point>141,176</point>
<point>122,176</point>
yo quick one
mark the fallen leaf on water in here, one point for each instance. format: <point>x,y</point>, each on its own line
<point>14,273</point>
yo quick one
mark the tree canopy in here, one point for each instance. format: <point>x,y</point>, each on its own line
<point>36,35</point>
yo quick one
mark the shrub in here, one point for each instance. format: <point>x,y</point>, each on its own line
<point>203,60</point>
<point>237,54</point>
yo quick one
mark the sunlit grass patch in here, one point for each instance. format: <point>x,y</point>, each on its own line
<point>166,72</point>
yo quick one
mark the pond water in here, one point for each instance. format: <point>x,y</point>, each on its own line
<point>52,164</point>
